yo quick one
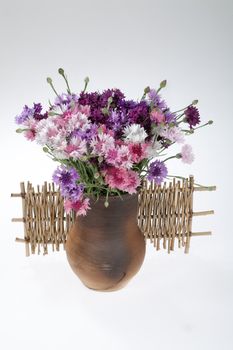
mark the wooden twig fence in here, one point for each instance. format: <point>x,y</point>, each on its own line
<point>164,215</point>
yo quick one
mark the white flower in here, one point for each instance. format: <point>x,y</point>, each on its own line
<point>60,154</point>
<point>153,148</point>
<point>135,133</point>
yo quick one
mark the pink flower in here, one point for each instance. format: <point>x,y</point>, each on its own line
<point>187,155</point>
<point>122,179</point>
<point>133,182</point>
<point>84,109</point>
<point>80,207</point>
<point>157,117</point>
<point>112,156</point>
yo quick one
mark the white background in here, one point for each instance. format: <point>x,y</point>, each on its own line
<point>176,301</point>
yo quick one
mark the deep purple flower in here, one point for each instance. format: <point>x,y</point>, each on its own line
<point>97,101</point>
<point>64,176</point>
<point>37,108</point>
<point>192,116</point>
<point>157,172</point>
<point>116,95</point>
<point>140,114</point>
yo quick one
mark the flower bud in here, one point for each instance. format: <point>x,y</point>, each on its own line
<point>19,131</point>
<point>49,80</point>
<point>86,80</point>
<point>61,71</point>
<point>106,204</point>
<point>146,90</point>
<point>163,84</point>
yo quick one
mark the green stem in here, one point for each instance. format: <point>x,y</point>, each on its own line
<point>50,82</point>
<point>62,73</point>
<point>170,158</point>
<point>86,81</point>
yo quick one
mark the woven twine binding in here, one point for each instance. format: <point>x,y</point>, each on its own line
<point>164,215</point>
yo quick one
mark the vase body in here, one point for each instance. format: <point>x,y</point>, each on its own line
<point>106,248</point>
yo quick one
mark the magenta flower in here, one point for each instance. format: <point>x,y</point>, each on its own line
<point>80,206</point>
<point>122,179</point>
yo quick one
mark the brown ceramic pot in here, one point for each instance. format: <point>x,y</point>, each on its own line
<point>106,248</point>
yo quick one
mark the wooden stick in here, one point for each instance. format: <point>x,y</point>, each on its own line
<point>210,188</point>
<point>203,213</point>
<point>205,233</point>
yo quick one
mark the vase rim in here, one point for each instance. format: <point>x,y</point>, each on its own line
<point>114,198</point>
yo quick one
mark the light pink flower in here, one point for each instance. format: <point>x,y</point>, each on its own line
<point>172,133</point>
<point>187,155</point>
<point>102,144</point>
<point>80,207</point>
<point>157,117</point>
<point>76,148</point>
<point>124,157</point>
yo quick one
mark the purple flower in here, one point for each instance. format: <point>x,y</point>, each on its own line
<point>73,193</point>
<point>157,172</point>
<point>65,99</point>
<point>192,116</point>
<point>88,134</point>
<point>169,116</point>
<point>156,99</point>
<point>34,112</point>
<point>26,113</point>
<point>67,178</point>
<point>64,176</point>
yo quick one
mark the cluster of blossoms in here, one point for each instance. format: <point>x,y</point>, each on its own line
<point>106,144</point>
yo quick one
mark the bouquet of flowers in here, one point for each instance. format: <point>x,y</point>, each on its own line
<point>106,145</point>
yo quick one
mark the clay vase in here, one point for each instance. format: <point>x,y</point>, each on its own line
<point>106,248</point>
